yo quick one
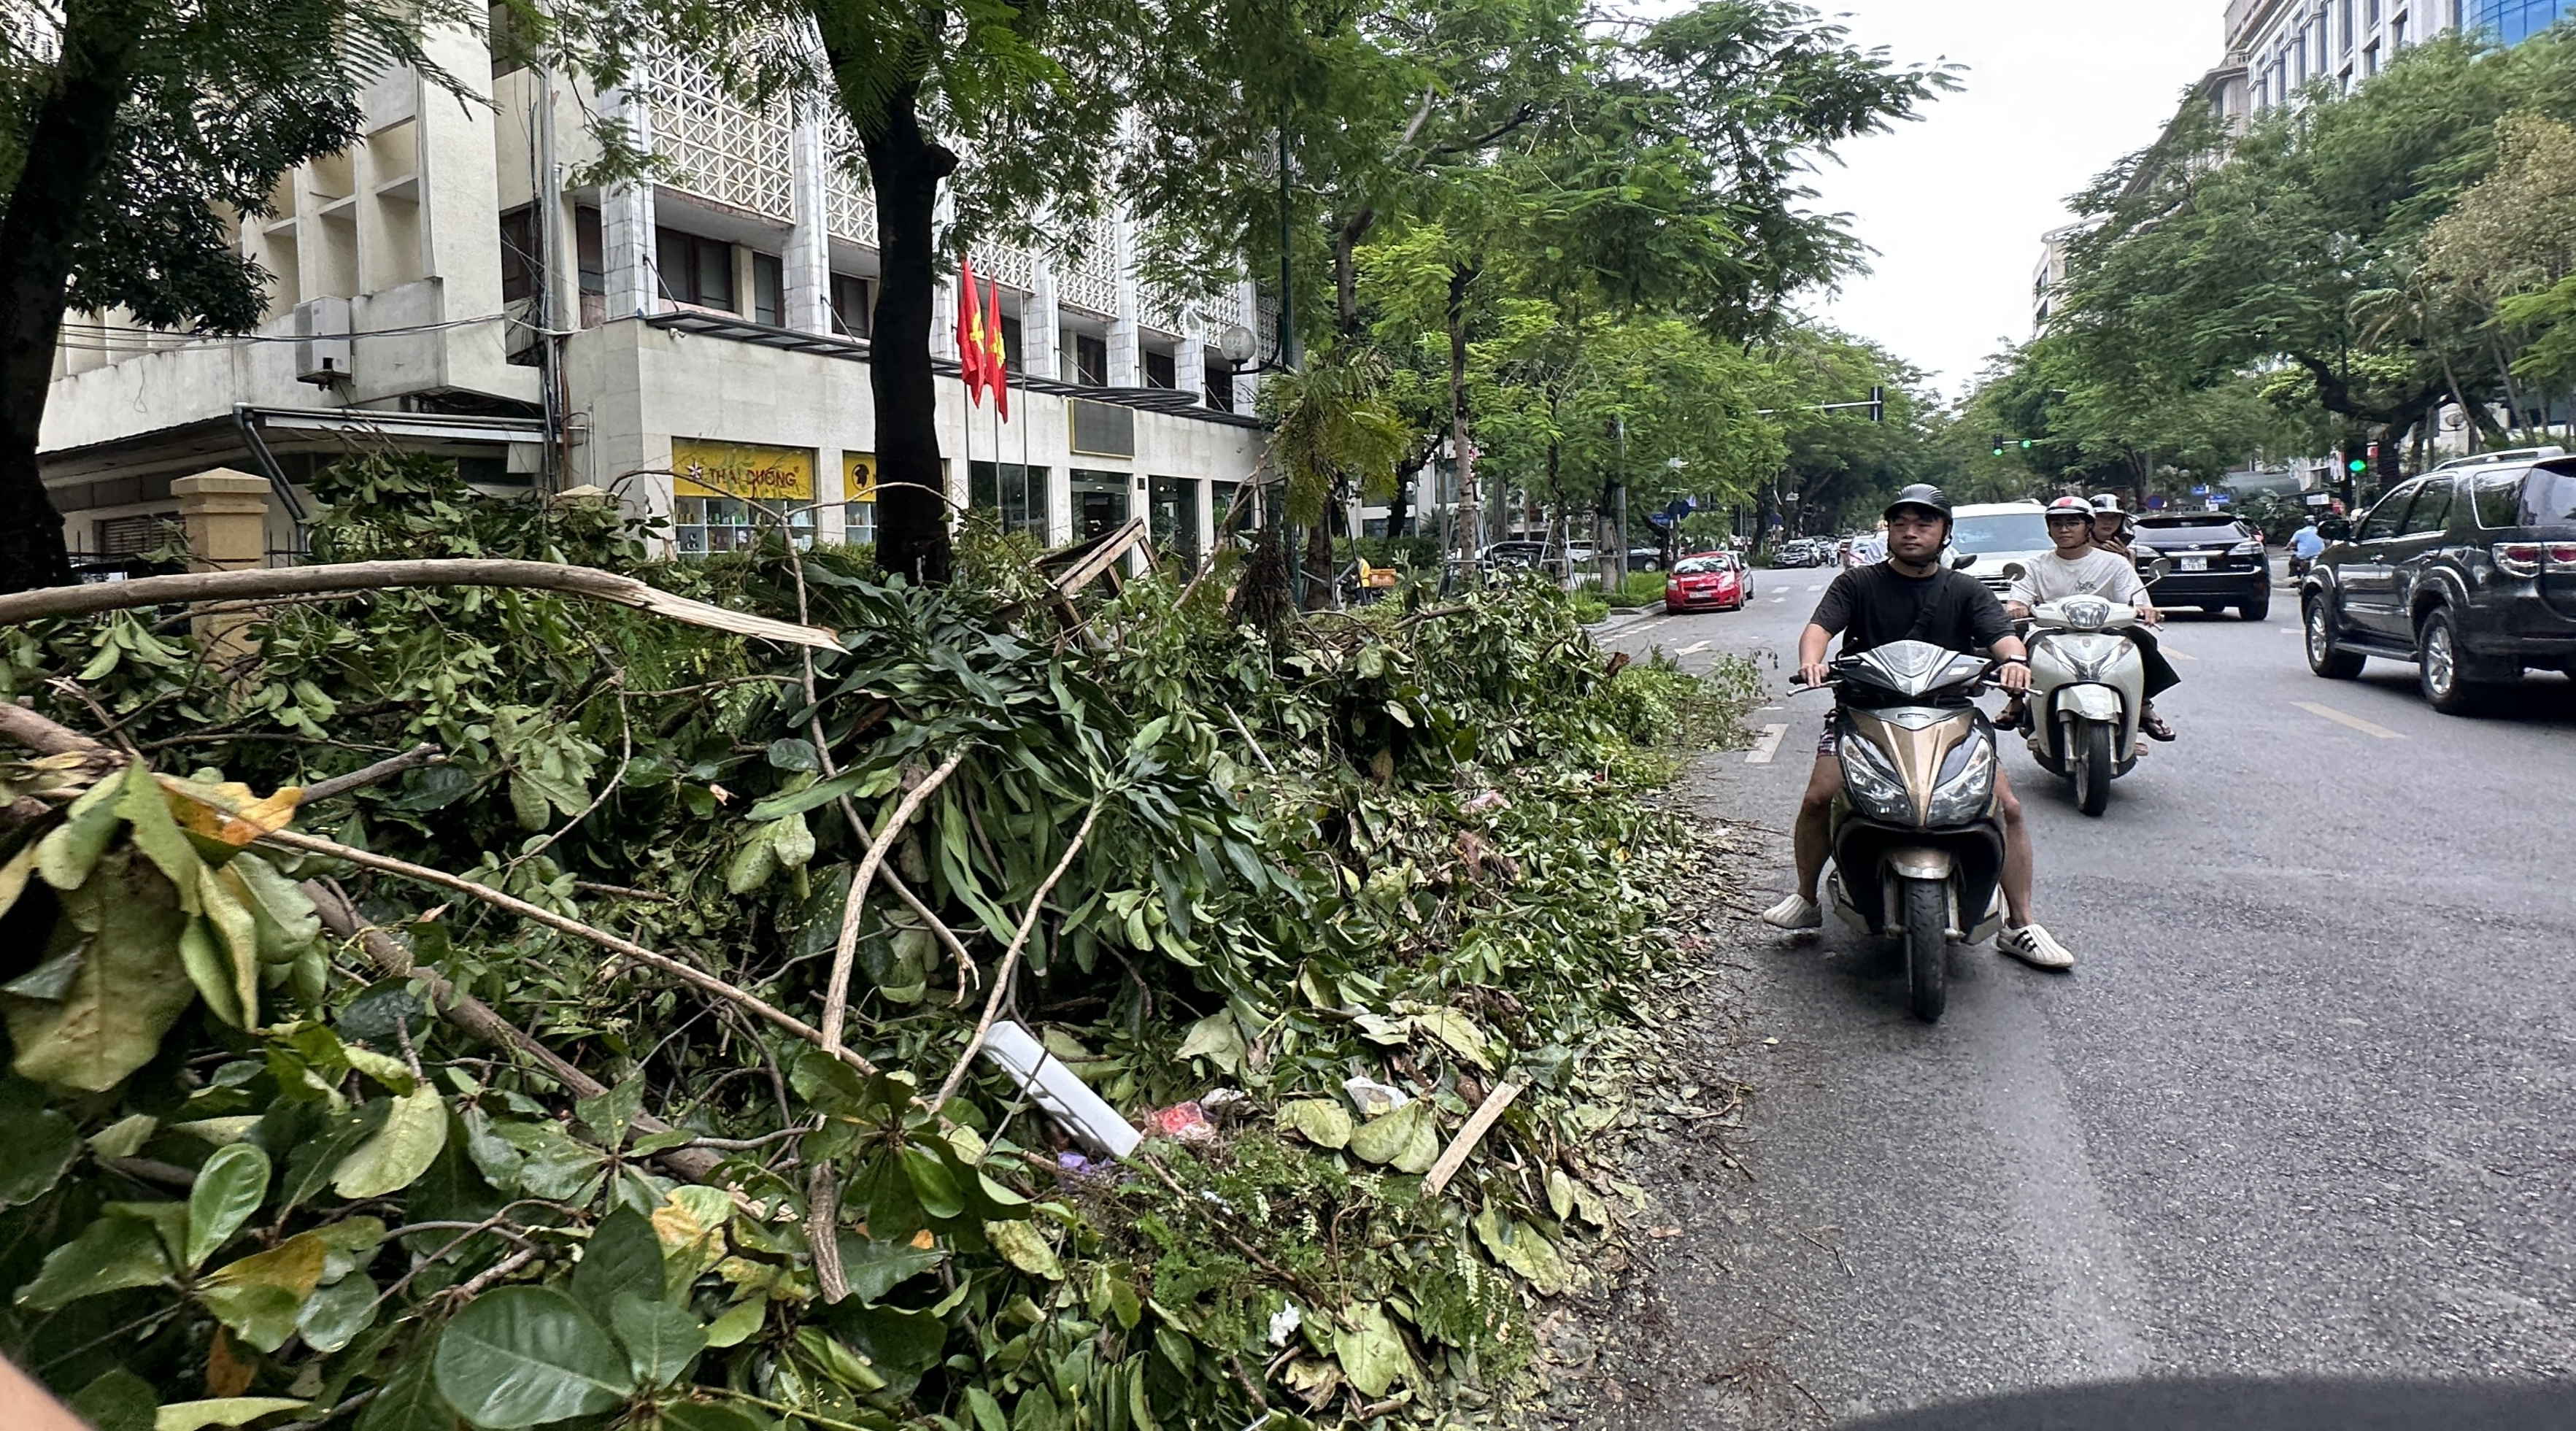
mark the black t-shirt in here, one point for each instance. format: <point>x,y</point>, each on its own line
<point>1869,606</point>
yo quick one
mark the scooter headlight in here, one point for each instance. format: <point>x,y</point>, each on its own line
<point>2085,613</point>
<point>1965,789</point>
<point>2087,657</point>
<point>1873,788</point>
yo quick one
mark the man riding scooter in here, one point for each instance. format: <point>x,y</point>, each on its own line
<point>2082,565</point>
<point>1912,596</point>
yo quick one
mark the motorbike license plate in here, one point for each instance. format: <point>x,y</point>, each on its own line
<point>2195,563</point>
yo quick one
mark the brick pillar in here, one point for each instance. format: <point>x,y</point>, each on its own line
<point>226,517</point>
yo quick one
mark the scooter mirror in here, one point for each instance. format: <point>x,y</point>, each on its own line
<point>1963,561</point>
<point>2156,571</point>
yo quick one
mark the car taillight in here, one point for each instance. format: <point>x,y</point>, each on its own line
<point>2250,547</point>
<point>2525,558</point>
<point>2562,556</point>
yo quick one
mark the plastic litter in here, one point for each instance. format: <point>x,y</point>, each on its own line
<point>1186,1122</point>
<point>1059,1091</point>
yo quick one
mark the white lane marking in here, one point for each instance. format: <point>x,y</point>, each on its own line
<point>1694,650</point>
<point>1778,599</point>
<point>2353,722</point>
<point>1818,587</point>
<point>1640,628</point>
<point>2287,630</point>
<point>1767,747</point>
<point>2180,655</point>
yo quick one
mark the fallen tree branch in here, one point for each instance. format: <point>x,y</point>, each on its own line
<point>836,997</point>
<point>422,754</point>
<point>626,948</point>
<point>358,576</point>
<point>1010,961</point>
<point>478,1020</point>
<point>1455,1157</point>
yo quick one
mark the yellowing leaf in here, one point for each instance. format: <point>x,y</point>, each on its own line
<point>222,1411</point>
<point>1322,1121</point>
<point>1407,1140</point>
<point>1216,1039</point>
<point>740,1322</point>
<point>1458,1031</point>
<point>260,1296</point>
<point>14,876</point>
<point>415,1130</point>
<point>1522,1248</point>
<point>228,812</point>
<point>1025,1248</point>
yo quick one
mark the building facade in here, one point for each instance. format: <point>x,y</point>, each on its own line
<point>2285,45</point>
<point>697,345</point>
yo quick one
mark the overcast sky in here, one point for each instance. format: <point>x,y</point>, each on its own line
<point>2055,91</point>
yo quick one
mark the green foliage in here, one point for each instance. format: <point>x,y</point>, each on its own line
<point>1436,874</point>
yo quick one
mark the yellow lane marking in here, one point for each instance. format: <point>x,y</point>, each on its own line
<point>2353,722</point>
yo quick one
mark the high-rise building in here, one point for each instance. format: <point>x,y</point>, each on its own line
<point>2287,44</point>
<point>706,335</point>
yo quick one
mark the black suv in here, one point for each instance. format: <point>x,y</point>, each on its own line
<point>2468,571</point>
<point>2215,562</point>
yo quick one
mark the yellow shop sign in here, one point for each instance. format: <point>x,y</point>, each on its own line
<point>742,469</point>
<point>858,476</point>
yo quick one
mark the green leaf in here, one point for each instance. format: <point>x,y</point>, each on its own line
<point>288,924</point>
<point>1407,1139</point>
<point>791,753</point>
<point>415,1128</point>
<point>792,841</point>
<point>740,1322</point>
<point>661,1340</point>
<point>1217,1039</point>
<point>130,988</point>
<point>1024,1247</point>
<point>1371,1350</point>
<point>14,875</point>
<point>839,1362</point>
<point>261,1296</point>
<point>986,1411</point>
<point>707,1416</point>
<point>335,1315</point>
<point>1321,1121</point>
<point>752,864</point>
<point>227,908</point>
<point>70,850</point>
<point>522,1356</point>
<point>223,1411</point>
<point>933,1184</point>
<point>1458,1031</point>
<point>609,1115</point>
<point>874,1268</point>
<point>1522,1248</point>
<point>117,1401</point>
<point>111,1254</point>
<point>40,1144</point>
<point>900,1344</point>
<point>409,1400</point>
<point>624,1255</point>
<point>202,954</point>
<point>229,1188</point>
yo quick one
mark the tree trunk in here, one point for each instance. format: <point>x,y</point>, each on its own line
<point>1323,592</point>
<point>1471,528</point>
<point>68,148</point>
<point>905,166</point>
<point>1345,273</point>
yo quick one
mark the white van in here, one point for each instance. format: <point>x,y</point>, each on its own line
<point>1997,538</point>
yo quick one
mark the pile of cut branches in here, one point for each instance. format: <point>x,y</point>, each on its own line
<point>448,1006</point>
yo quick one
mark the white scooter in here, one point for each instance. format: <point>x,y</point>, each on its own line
<point>2088,692</point>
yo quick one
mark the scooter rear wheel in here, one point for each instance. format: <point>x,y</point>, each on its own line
<point>1926,903</point>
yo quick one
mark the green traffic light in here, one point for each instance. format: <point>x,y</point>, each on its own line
<point>2025,444</point>
<point>2357,466</point>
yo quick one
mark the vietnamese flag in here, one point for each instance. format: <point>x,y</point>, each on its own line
<point>997,360</point>
<point>971,352</point>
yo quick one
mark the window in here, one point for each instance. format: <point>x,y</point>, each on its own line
<point>768,290</point>
<point>1090,361</point>
<point>1011,345</point>
<point>2382,523</point>
<point>694,270</point>
<point>519,249</point>
<point>2370,60</point>
<point>700,525</point>
<point>1160,371</point>
<point>1017,494</point>
<point>1099,502</point>
<point>1229,517</point>
<point>1174,512</point>
<point>850,310</point>
<point>1220,385</point>
<point>859,523</point>
<point>2432,509</point>
<point>589,250</point>
<point>2349,29</point>
<point>2397,33</point>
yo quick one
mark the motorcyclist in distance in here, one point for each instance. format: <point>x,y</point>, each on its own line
<point>2080,566</point>
<point>1913,596</point>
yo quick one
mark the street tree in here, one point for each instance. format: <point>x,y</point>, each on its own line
<point>129,131</point>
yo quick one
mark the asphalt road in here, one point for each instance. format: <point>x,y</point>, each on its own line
<point>2304,1108</point>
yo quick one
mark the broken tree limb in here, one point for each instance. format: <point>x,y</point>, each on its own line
<point>379,575</point>
<point>625,948</point>
<point>836,998</point>
<point>477,1019</point>
<point>1010,961</point>
<point>1455,1157</point>
<point>422,754</point>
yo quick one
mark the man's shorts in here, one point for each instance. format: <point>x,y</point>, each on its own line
<point>1830,744</point>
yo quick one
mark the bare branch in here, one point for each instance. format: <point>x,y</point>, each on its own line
<point>424,753</point>
<point>1010,960</point>
<point>836,998</point>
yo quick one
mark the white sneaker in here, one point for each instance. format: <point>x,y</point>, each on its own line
<point>2036,947</point>
<point>1795,912</point>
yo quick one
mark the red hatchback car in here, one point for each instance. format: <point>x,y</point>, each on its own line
<point>1710,581</point>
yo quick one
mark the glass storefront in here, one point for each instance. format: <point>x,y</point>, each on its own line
<point>1174,511</point>
<point>1016,493</point>
<point>1100,502</point>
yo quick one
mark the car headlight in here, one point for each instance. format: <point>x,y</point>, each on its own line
<point>1965,790</point>
<point>2085,613</point>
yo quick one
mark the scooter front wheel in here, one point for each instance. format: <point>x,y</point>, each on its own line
<point>2088,760</point>
<point>1926,904</point>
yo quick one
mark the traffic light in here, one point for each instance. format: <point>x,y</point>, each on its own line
<point>2357,466</point>
<point>2025,444</point>
<point>1999,447</point>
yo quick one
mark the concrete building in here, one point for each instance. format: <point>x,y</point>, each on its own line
<point>2287,44</point>
<point>709,335</point>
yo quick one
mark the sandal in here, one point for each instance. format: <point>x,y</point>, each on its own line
<point>2155,727</point>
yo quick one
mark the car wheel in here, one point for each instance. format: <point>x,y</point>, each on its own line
<point>2257,609</point>
<point>2453,682</point>
<point>2324,657</point>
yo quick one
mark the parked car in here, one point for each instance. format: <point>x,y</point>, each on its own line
<point>1802,551</point>
<point>1525,554</point>
<point>2467,573</point>
<point>1708,581</point>
<point>1992,541</point>
<point>1645,558</point>
<point>2215,562</point>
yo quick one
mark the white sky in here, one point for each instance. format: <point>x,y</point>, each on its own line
<point>2055,92</point>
